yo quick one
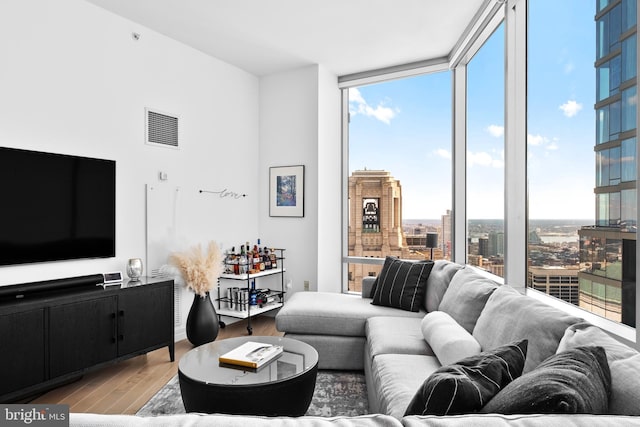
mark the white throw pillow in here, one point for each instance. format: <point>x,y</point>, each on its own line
<point>449,341</point>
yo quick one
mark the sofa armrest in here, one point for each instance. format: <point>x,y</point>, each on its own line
<point>367,285</point>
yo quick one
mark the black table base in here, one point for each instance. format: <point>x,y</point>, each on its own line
<point>289,397</point>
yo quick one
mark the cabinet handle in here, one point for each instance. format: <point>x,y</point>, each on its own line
<point>113,328</point>
<point>121,325</point>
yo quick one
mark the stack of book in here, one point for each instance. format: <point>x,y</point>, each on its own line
<point>251,354</point>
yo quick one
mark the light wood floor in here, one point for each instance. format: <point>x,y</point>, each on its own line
<point>124,387</point>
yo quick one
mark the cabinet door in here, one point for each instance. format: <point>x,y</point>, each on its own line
<point>22,357</point>
<point>82,334</point>
<point>145,316</point>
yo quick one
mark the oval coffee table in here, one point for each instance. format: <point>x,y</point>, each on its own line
<point>282,387</point>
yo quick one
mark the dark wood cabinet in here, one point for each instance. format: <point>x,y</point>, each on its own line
<point>139,325</point>
<point>22,358</point>
<point>82,334</point>
<point>51,337</point>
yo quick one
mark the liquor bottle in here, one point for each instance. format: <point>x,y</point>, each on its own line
<point>274,258</point>
<point>235,267</point>
<point>256,258</point>
<point>243,261</point>
<point>252,293</point>
<point>266,260</point>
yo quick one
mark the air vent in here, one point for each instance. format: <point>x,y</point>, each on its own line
<point>162,129</point>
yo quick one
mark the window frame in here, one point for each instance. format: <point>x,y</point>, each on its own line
<point>515,15</point>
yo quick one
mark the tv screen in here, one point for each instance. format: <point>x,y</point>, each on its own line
<point>55,207</point>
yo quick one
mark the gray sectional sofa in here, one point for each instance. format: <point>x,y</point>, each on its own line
<point>463,314</point>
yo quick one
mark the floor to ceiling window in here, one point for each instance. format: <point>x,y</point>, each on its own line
<point>485,156</point>
<point>399,172</point>
<point>581,107</point>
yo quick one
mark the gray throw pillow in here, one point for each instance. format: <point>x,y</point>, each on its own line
<point>577,381</point>
<point>510,316</point>
<point>439,279</point>
<point>402,284</point>
<point>466,296</point>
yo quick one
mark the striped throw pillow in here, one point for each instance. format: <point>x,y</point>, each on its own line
<point>467,385</point>
<point>402,284</point>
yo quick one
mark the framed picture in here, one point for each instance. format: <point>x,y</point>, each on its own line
<point>286,191</point>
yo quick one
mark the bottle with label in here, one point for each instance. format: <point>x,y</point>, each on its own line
<point>266,261</point>
<point>253,294</point>
<point>256,258</point>
<point>243,261</point>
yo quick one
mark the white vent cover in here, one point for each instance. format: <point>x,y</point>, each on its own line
<point>162,129</point>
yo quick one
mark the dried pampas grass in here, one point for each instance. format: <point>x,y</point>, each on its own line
<point>199,270</point>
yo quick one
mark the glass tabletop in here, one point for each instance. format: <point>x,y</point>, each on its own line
<point>201,364</point>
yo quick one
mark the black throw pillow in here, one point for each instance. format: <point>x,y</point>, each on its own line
<point>576,381</point>
<point>466,386</point>
<point>402,284</point>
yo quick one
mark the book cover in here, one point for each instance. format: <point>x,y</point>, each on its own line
<point>251,354</point>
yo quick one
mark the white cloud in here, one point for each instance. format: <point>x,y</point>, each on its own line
<point>569,67</point>
<point>571,108</point>
<point>483,159</point>
<point>537,139</point>
<point>356,96</point>
<point>496,130</point>
<point>358,105</point>
<point>445,154</point>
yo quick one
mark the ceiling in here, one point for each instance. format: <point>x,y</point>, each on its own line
<point>269,36</point>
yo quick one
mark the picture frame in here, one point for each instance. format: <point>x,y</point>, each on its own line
<point>286,191</point>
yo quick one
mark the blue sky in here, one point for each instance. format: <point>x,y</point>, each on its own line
<point>404,126</point>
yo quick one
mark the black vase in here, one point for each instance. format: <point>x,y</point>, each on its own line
<point>202,321</point>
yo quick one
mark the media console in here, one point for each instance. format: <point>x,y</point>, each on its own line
<point>55,331</point>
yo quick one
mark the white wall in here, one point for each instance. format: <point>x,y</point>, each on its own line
<point>300,125</point>
<point>289,136</point>
<point>74,81</point>
<point>329,183</point>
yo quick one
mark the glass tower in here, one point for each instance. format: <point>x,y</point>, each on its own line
<point>608,248</point>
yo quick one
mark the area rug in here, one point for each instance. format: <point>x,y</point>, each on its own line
<point>337,393</point>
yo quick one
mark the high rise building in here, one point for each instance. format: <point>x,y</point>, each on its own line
<point>375,222</point>
<point>560,282</point>
<point>496,243</point>
<point>608,248</point>
<point>445,238</point>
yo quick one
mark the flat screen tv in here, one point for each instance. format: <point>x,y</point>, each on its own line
<point>55,207</point>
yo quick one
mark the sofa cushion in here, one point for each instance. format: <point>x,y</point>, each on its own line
<point>395,335</point>
<point>395,379</point>
<point>469,384</point>
<point>208,420</point>
<point>329,313</point>
<point>574,381</point>
<point>449,341</point>
<point>624,364</point>
<point>402,284</point>
<point>625,387</point>
<point>510,316</point>
<point>520,420</point>
<point>438,282</point>
<point>466,296</point>
<point>585,334</point>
